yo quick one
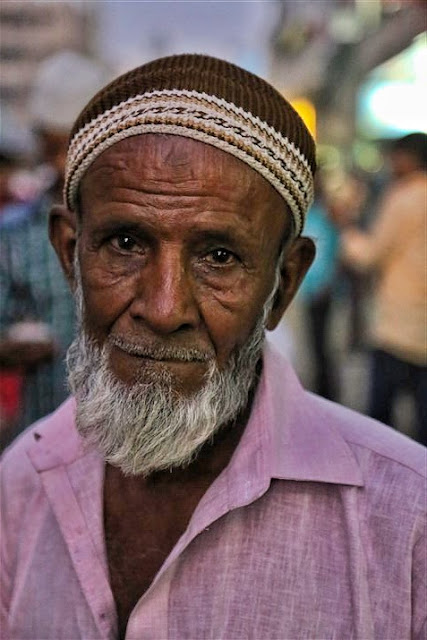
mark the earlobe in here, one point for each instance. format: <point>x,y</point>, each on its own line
<point>296,263</point>
<point>63,236</point>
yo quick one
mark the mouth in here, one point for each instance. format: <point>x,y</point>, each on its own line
<point>181,369</point>
<point>160,353</point>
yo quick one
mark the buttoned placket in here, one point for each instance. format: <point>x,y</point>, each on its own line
<point>149,619</point>
<point>89,566</point>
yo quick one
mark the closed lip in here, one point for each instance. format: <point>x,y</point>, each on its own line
<point>156,358</point>
<point>161,354</point>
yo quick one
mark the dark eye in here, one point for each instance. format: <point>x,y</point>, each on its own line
<point>221,256</point>
<point>123,242</point>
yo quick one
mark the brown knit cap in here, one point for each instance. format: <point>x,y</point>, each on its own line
<point>206,99</point>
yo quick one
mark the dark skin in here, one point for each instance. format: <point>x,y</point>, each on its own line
<point>178,244</point>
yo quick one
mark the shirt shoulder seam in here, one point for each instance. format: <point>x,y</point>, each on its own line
<point>388,457</point>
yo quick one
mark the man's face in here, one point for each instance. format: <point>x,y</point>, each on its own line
<point>178,247</point>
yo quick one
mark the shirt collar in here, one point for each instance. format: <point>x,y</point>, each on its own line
<point>305,442</point>
<point>55,440</point>
<point>291,434</point>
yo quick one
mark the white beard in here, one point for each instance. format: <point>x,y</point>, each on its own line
<point>149,426</point>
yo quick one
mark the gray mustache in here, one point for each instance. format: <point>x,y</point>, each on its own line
<point>160,352</point>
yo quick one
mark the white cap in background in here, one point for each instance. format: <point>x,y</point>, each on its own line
<point>63,84</point>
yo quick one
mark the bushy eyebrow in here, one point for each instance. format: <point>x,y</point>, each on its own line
<point>218,237</point>
<point>203,231</point>
<point>114,226</point>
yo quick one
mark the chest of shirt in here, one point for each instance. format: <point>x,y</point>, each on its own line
<point>290,564</point>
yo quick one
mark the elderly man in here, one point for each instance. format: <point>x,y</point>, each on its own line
<point>191,488</point>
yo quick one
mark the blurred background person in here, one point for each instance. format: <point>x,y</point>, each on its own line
<point>14,151</point>
<point>347,202</point>
<point>9,164</point>
<point>36,308</point>
<point>317,294</point>
<point>395,249</point>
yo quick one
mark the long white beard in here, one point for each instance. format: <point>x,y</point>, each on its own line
<point>149,426</point>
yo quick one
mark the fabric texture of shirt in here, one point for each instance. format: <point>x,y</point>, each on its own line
<point>315,529</point>
<point>396,248</point>
<point>33,287</point>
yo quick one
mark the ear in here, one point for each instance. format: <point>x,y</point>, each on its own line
<point>296,262</point>
<point>63,236</point>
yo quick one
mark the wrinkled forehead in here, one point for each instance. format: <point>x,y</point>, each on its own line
<point>151,158</point>
<point>160,173</point>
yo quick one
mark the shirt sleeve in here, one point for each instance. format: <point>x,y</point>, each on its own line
<point>419,589</point>
<point>5,581</point>
<point>367,250</point>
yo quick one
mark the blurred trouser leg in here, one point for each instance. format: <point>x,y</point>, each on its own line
<point>391,376</point>
<point>386,379</point>
<point>318,316</point>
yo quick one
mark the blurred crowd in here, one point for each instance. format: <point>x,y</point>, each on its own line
<point>371,250</point>
<point>369,231</point>
<point>36,306</point>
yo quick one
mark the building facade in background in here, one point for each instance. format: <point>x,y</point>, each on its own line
<point>29,32</point>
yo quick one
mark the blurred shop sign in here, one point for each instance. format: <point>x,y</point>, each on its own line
<point>393,99</point>
<point>307,111</point>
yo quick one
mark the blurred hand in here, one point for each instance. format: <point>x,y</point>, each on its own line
<point>353,248</point>
<point>26,354</point>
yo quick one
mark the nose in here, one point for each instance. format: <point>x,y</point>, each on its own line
<point>164,299</point>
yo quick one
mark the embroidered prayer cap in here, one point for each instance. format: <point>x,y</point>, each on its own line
<point>209,100</point>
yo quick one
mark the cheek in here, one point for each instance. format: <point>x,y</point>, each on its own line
<point>230,319</point>
<point>106,297</point>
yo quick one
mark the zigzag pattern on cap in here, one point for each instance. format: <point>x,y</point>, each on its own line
<point>257,125</point>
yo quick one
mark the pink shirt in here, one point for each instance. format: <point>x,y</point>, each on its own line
<point>316,529</point>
